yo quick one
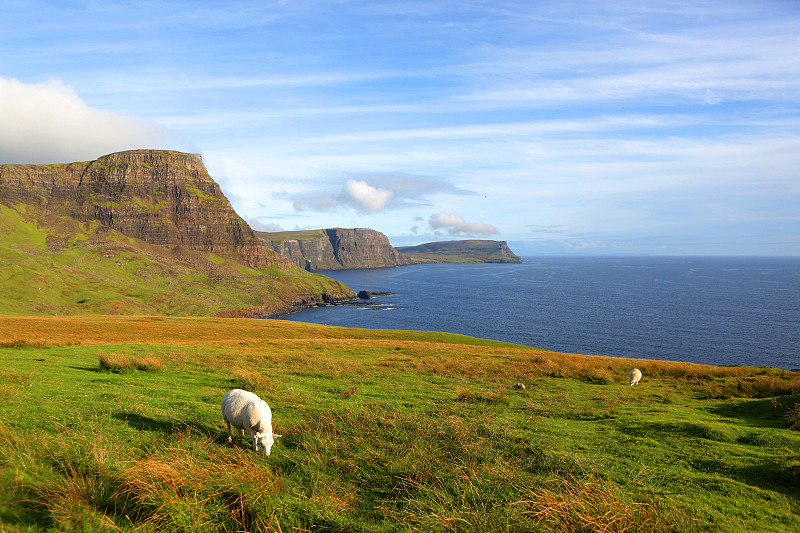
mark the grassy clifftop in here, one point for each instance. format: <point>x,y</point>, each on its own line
<point>465,251</point>
<point>382,431</point>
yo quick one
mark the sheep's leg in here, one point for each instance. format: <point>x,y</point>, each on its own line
<point>253,439</point>
<point>230,439</point>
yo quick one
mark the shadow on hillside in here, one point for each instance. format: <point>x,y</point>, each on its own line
<point>145,423</point>
<point>770,476</point>
<point>759,413</point>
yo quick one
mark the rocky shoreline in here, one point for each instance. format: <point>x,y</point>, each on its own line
<point>364,297</point>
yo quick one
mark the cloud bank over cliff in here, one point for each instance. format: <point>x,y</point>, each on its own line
<point>49,123</point>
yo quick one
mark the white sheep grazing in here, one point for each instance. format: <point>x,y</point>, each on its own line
<point>246,411</point>
<point>635,376</point>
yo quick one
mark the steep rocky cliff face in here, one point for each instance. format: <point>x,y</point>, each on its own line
<point>334,249</point>
<point>161,197</point>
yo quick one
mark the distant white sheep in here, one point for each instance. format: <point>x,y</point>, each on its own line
<point>635,376</point>
<point>246,411</point>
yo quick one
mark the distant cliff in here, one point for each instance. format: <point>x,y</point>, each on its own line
<point>334,249</point>
<point>466,251</point>
<point>145,231</point>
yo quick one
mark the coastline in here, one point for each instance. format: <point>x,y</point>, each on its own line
<point>702,310</point>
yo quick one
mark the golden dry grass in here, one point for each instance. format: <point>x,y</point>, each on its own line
<point>254,380</point>
<point>591,505</point>
<point>793,416</point>
<point>116,362</point>
<point>443,355</point>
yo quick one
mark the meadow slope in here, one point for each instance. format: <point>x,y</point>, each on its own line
<point>112,423</point>
<point>52,265</point>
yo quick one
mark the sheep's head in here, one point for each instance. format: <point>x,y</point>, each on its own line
<point>266,440</point>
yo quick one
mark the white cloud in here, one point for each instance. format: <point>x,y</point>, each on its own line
<point>49,123</point>
<point>365,197</point>
<point>456,225</point>
<point>354,194</point>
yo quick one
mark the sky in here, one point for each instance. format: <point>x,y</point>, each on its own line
<point>584,127</point>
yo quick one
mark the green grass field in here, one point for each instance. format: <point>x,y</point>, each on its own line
<point>113,424</point>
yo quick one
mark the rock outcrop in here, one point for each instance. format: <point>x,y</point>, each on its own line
<point>334,249</point>
<point>162,197</point>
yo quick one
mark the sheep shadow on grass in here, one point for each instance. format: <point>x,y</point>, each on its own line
<point>168,426</point>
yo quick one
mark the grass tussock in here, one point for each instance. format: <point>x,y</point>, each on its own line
<point>793,416</point>
<point>24,344</point>
<point>490,397</point>
<point>253,380</point>
<point>88,483</point>
<point>176,489</point>
<point>591,504</point>
<point>116,362</point>
<point>785,384</point>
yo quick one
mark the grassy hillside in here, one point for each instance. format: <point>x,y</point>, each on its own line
<point>382,431</point>
<point>56,265</point>
<point>273,238</point>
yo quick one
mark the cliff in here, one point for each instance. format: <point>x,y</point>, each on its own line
<point>334,249</point>
<point>466,251</point>
<point>161,197</point>
<point>143,231</point>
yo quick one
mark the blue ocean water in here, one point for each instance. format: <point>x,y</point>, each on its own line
<point>718,311</point>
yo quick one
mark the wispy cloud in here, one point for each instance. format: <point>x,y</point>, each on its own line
<point>739,63</point>
<point>455,225</point>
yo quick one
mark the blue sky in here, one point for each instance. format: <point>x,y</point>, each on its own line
<point>588,127</point>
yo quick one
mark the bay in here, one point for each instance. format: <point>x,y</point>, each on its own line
<point>714,310</point>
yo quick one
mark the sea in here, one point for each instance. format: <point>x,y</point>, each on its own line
<point>712,310</point>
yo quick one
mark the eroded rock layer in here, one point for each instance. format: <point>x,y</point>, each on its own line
<point>162,197</point>
<point>334,249</point>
